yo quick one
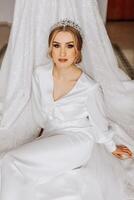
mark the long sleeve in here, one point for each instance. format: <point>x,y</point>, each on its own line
<point>36,101</point>
<point>101,130</point>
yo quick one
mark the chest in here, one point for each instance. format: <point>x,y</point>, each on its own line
<point>62,88</point>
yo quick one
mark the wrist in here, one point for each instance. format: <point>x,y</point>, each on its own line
<point>111,146</point>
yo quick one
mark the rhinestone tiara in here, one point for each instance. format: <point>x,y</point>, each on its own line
<point>67,22</point>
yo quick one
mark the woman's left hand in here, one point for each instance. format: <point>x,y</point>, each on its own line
<point>122,152</point>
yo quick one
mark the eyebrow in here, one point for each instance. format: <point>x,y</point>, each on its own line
<point>60,43</point>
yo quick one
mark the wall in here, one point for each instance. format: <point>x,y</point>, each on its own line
<point>6,10</point>
<point>121,10</point>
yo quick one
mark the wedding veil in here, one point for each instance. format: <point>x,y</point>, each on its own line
<point>28,46</point>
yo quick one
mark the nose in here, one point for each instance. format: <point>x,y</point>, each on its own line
<point>62,52</point>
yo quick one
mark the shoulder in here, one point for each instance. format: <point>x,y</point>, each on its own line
<point>42,70</point>
<point>91,83</point>
<point>94,88</point>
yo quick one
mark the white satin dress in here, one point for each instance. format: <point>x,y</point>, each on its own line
<point>55,166</point>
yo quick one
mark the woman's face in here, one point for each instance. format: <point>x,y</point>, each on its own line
<point>63,49</point>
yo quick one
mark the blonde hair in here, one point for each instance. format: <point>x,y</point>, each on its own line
<point>77,38</point>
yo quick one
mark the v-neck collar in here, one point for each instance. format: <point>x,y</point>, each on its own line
<point>68,93</point>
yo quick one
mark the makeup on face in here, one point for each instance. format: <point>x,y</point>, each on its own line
<point>63,49</point>
<point>63,60</point>
<point>68,45</point>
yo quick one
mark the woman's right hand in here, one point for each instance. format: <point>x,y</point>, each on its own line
<point>122,152</point>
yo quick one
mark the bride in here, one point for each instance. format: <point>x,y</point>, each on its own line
<point>68,105</point>
<point>27,49</point>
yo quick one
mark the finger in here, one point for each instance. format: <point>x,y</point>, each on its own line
<point>124,149</point>
<point>126,155</point>
<point>128,152</point>
<point>118,155</point>
<point>122,146</point>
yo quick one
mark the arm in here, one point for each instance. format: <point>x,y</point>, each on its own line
<point>101,130</point>
<point>36,100</point>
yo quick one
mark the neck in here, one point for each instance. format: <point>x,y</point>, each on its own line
<point>62,73</point>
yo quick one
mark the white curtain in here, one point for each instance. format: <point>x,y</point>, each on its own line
<point>28,49</point>
<point>103,8</point>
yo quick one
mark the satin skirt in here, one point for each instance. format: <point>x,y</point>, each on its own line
<point>40,162</point>
<point>62,166</point>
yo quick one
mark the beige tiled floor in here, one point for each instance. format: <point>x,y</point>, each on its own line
<point>122,33</point>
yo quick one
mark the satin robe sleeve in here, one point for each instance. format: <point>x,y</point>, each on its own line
<point>36,101</point>
<point>101,130</point>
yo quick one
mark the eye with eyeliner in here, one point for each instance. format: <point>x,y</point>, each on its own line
<point>56,45</point>
<point>70,46</point>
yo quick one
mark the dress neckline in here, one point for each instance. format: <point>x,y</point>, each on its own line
<point>69,92</point>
